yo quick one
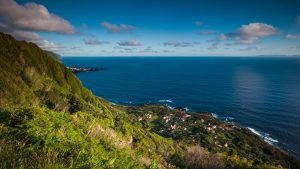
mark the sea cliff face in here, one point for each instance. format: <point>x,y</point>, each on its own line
<point>49,120</point>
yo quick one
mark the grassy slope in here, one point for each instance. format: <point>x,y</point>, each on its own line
<point>49,120</point>
<point>47,113</point>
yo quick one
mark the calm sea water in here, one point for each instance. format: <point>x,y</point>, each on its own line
<point>262,94</point>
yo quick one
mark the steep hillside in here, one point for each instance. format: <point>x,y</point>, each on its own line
<point>29,76</point>
<point>49,120</point>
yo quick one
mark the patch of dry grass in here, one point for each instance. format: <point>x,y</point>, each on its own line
<point>197,157</point>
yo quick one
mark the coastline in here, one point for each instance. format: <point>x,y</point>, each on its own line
<point>171,104</point>
<point>253,104</point>
<point>57,113</point>
<point>264,137</point>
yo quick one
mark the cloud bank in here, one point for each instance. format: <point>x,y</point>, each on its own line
<point>251,33</point>
<point>94,42</point>
<point>245,35</point>
<point>293,36</point>
<point>23,21</point>
<point>180,44</point>
<point>31,37</point>
<point>32,17</point>
<point>129,43</point>
<point>114,28</point>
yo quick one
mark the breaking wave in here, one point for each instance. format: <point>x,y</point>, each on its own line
<point>265,136</point>
<point>165,101</point>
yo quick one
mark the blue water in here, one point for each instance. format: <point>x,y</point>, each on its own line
<point>260,93</point>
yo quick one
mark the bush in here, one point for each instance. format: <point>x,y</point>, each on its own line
<point>197,157</point>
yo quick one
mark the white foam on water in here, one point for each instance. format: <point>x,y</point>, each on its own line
<point>255,132</point>
<point>166,101</point>
<point>186,109</point>
<point>270,140</point>
<point>264,136</point>
<point>170,107</point>
<point>228,118</point>
<point>215,115</point>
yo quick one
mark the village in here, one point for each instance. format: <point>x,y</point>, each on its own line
<point>197,128</point>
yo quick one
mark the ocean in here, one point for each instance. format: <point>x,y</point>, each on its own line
<point>260,93</point>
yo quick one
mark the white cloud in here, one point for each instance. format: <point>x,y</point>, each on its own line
<point>247,40</point>
<point>253,48</point>
<point>293,36</point>
<point>129,43</point>
<point>245,35</point>
<point>251,33</point>
<point>256,30</point>
<point>217,41</point>
<point>222,36</point>
<point>31,37</point>
<point>49,46</point>
<point>24,35</point>
<point>94,42</point>
<point>180,44</point>
<point>214,46</point>
<point>22,22</point>
<point>32,17</point>
<point>113,28</point>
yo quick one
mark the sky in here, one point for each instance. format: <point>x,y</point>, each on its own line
<point>156,27</point>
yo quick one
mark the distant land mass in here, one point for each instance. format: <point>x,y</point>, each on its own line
<point>80,69</point>
<point>48,119</point>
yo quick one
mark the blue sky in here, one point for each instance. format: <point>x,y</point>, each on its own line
<point>156,27</point>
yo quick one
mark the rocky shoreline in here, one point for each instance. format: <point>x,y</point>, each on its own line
<point>80,69</point>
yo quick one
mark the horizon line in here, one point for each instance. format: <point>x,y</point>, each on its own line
<point>270,56</point>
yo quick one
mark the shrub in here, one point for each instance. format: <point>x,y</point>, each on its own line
<point>197,157</point>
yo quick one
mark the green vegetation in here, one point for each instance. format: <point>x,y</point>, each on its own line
<point>232,143</point>
<point>49,120</point>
